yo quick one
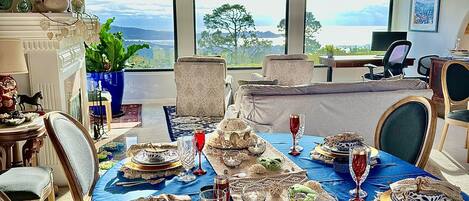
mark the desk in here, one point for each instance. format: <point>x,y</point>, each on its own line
<point>353,62</point>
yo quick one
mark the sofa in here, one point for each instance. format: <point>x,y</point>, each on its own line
<point>329,108</point>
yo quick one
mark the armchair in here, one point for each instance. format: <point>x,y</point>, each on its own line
<point>201,85</point>
<point>394,61</point>
<point>281,67</point>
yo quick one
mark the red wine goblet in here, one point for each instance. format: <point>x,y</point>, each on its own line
<point>359,164</point>
<point>294,127</point>
<point>199,137</point>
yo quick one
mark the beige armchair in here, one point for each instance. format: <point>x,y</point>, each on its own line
<point>294,69</point>
<point>203,88</point>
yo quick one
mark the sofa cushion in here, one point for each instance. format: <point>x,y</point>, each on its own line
<point>331,88</point>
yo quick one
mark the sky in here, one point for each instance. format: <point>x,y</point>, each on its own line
<point>158,14</point>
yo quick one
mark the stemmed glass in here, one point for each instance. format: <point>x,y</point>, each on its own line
<point>359,165</point>
<point>294,127</point>
<point>199,137</point>
<point>300,133</point>
<point>186,152</point>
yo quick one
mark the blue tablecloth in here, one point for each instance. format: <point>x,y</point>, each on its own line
<point>337,184</point>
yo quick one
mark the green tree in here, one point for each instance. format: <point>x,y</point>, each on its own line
<point>231,32</point>
<point>312,26</point>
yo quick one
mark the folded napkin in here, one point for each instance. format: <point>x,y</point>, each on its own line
<point>425,186</point>
<point>166,197</point>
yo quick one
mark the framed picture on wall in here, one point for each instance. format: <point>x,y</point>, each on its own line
<point>424,15</point>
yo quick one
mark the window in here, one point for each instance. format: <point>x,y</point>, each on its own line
<point>241,31</point>
<point>143,21</point>
<point>347,25</point>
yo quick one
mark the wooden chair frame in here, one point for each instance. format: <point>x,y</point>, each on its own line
<point>72,179</point>
<point>431,126</point>
<point>449,103</point>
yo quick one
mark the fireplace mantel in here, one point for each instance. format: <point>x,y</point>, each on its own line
<point>56,67</point>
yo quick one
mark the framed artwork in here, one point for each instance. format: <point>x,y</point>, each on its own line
<point>424,15</point>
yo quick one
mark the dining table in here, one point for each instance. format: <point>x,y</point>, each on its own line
<point>390,169</point>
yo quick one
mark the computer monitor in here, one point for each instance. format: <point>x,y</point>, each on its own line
<point>382,40</point>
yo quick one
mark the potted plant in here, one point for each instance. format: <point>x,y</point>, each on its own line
<point>329,50</point>
<point>106,61</point>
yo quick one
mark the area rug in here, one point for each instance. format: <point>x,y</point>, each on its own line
<point>185,126</point>
<point>132,117</point>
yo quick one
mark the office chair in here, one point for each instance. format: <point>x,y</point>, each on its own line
<point>424,65</point>
<point>394,61</point>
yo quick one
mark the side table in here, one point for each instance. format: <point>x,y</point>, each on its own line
<point>10,153</point>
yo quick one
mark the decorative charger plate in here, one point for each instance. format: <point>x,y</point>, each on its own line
<point>146,168</point>
<point>320,149</point>
<point>386,196</point>
<point>171,157</point>
<point>28,126</point>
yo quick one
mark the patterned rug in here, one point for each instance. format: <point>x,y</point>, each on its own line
<point>132,117</point>
<point>185,126</point>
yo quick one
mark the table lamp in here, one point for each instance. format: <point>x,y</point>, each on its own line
<point>12,61</point>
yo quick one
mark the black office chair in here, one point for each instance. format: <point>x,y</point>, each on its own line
<point>424,65</point>
<point>394,61</point>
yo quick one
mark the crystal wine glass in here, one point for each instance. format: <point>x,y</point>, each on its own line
<point>300,133</point>
<point>294,127</point>
<point>199,137</point>
<point>359,165</point>
<point>186,152</point>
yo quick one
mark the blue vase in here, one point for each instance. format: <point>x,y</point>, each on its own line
<point>112,82</point>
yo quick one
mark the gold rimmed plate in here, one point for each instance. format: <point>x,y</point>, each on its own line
<point>385,196</point>
<point>145,168</point>
<point>323,151</point>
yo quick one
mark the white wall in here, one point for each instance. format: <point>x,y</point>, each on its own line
<point>452,16</point>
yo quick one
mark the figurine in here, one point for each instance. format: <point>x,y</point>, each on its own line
<point>34,100</point>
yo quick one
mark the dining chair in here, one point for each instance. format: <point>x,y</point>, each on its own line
<point>4,197</point>
<point>27,183</point>
<point>424,65</point>
<point>76,152</point>
<point>455,85</point>
<point>394,61</point>
<point>407,130</point>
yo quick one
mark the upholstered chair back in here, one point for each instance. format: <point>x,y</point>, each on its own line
<point>456,81</point>
<point>407,130</point>
<point>290,72</point>
<point>266,64</point>
<point>200,85</point>
<point>76,152</point>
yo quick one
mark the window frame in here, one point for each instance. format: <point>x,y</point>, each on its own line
<point>175,48</point>
<point>287,12</point>
<point>391,9</point>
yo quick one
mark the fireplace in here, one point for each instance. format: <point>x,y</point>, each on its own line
<point>56,67</point>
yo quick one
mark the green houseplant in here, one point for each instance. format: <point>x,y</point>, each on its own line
<point>106,61</point>
<point>329,50</point>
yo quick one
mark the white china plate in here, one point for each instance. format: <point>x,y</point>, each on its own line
<point>28,126</point>
<point>171,157</point>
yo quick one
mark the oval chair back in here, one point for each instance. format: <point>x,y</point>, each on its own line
<point>76,152</point>
<point>455,83</point>
<point>407,130</point>
<point>395,57</point>
<point>425,64</point>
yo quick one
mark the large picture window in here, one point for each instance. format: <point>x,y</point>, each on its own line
<point>347,25</point>
<point>241,31</point>
<point>143,21</point>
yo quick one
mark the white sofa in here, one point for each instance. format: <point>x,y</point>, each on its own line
<point>329,107</point>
